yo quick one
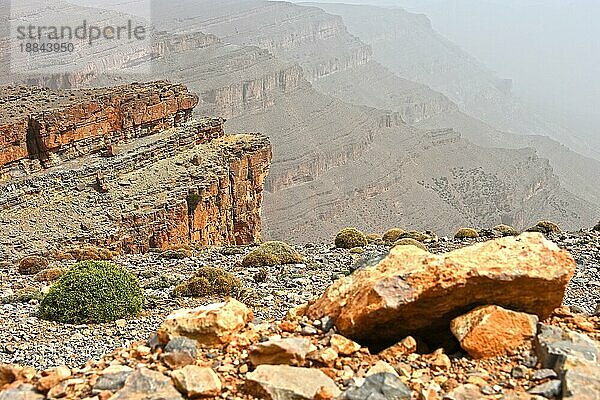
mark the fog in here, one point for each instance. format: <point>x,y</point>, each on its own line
<point>550,48</point>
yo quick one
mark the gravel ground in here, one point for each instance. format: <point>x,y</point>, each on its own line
<point>28,340</point>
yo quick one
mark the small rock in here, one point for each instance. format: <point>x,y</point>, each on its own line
<point>195,381</point>
<point>542,374</point>
<point>406,346</point>
<point>326,356</point>
<point>179,352</point>
<point>518,372</point>
<point>282,382</point>
<point>211,324</point>
<point>381,367</point>
<point>380,386</point>
<point>56,376</point>
<point>291,351</point>
<point>112,378</point>
<point>23,392</point>
<point>145,384</point>
<point>464,392</point>
<point>549,390</point>
<point>343,346</point>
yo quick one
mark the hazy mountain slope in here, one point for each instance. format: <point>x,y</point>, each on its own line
<point>332,158</point>
<point>408,45</point>
<point>374,85</point>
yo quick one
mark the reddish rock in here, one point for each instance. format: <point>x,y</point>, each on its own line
<point>412,291</point>
<point>406,346</point>
<point>52,379</point>
<point>290,351</point>
<point>491,331</point>
<point>343,346</point>
<point>8,374</point>
<point>211,324</point>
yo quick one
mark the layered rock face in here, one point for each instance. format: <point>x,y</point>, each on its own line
<point>132,173</point>
<point>88,121</point>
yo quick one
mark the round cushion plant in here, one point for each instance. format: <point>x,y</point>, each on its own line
<point>93,292</point>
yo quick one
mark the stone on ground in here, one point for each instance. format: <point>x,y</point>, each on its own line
<point>195,381</point>
<point>491,331</point>
<point>211,324</point>
<point>145,384</point>
<point>343,346</point>
<point>412,291</point>
<point>179,352</point>
<point>380,386</point>
<point>282,382</point>
<point>290,351</point>
<point>574,357</point>
<point>23,392</point>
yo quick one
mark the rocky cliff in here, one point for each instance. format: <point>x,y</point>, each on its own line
<point>164,178</point>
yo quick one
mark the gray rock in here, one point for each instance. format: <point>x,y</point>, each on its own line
<point>554,346</point>
<point>574,357</point>
<point>112,382</point>
<point>23,392</point>
<point>182,344</point>
<point>542,374</point>
<point>327,323</point>
<point>549,390</point>
<point>179,352</point>
<point>518,372</point>
<point>381,386</point>
<point>145,384</point>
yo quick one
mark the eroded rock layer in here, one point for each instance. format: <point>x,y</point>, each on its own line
<point>132,171</point>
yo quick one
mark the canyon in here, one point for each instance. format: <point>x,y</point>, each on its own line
<point>354,142</point>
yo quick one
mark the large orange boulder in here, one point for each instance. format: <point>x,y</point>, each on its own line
<point>414,292</point>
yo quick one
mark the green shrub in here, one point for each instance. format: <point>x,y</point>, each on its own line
<point>506,230</point>
<point>545,227</point>
<point>31,265</point>
<point>393,235</point>
<point>416,235</point>
<point>410,242</point>
<point>349,238</point>
<point>374,238</point>
<point>272,253</point>
<point>93,292</point>
<point>357,250</point>
<point>466,233</point>
<point>597,227</point>
<point>208,281</point>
